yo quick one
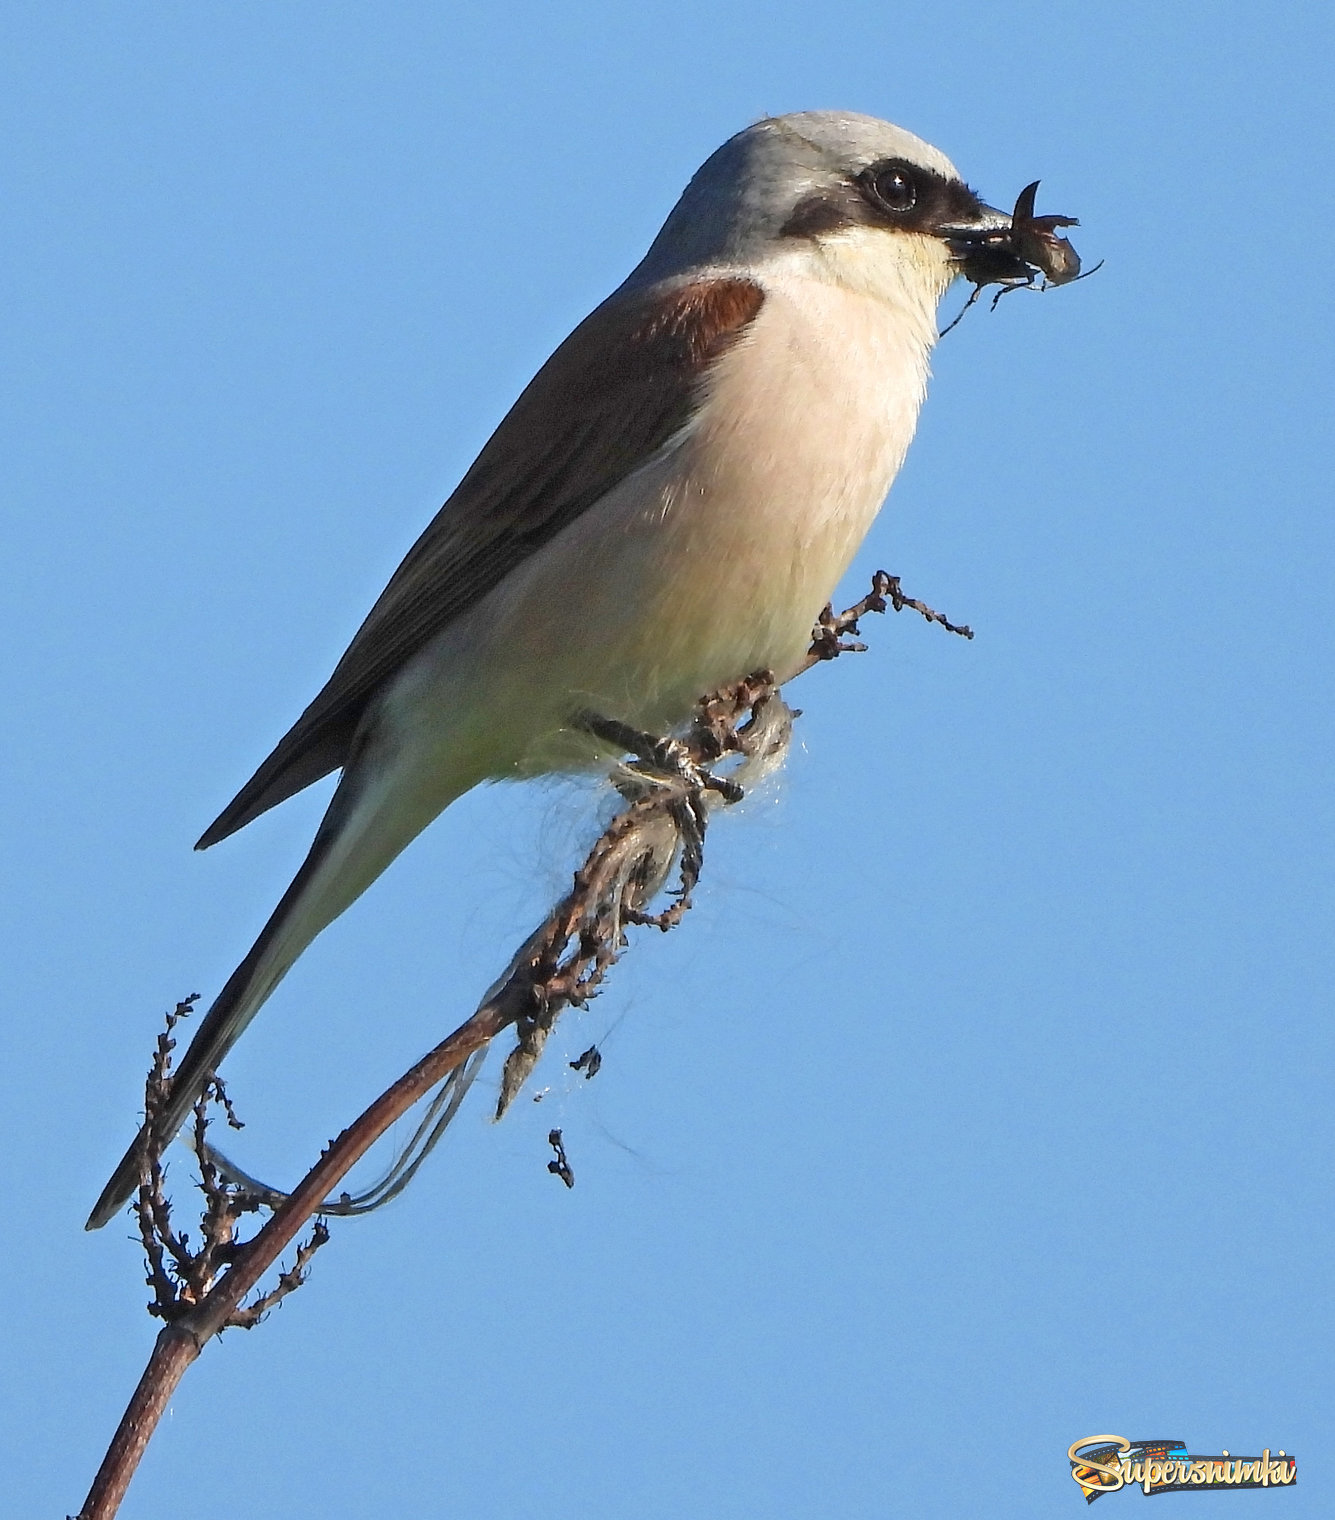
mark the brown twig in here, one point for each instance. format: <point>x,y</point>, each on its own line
<point>184,1337</point>
<point>180,1275</point>
<point>830,638</point>
<point>670,789</point>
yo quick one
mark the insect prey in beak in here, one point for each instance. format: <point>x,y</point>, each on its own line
<point>1029,250</point>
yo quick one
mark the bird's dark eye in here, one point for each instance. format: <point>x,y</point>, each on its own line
<point>895,189</point>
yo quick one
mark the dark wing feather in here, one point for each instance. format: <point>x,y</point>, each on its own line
<point>619,387</point>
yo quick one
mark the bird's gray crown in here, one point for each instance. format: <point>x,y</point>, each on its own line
<point>744,195</point>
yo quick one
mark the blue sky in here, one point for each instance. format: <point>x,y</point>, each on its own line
<point>983,1103</point>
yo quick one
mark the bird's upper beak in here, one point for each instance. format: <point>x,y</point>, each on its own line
<point>993,248</point>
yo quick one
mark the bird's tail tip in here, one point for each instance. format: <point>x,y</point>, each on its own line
<point>116,1194</point>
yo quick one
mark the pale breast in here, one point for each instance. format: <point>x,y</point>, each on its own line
<point>807,422</point>
<point>714,559</point>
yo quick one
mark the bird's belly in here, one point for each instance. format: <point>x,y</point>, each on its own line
<point>710,562</point>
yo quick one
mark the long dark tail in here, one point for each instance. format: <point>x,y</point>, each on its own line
<point>240,1000</point>
<point>365,827</point>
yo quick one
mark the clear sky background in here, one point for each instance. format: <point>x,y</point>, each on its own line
<point>983,1104</point>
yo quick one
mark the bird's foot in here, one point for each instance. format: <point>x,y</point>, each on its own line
<point>658,758</point>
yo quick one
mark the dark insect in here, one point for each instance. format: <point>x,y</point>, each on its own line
<point>1015,257</point>
<point>1035,240</point>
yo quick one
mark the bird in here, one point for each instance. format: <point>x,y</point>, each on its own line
<point>665,509</point>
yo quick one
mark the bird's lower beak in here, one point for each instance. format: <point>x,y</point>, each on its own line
<point>996,249</point>
<point>984,249</point>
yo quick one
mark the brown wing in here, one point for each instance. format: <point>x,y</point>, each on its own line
<point>619,387</point>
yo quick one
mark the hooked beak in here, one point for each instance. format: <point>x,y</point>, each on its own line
<point>995,249</point>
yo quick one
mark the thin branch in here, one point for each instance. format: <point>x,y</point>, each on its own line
<point>436,1117</point>
<point>670,787</point>
<point>830,635</point>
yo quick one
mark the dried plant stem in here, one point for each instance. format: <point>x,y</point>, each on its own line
<point>180,1342</point>
<point>670,790</point>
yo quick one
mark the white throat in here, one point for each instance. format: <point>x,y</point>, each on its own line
<point>906,271</point>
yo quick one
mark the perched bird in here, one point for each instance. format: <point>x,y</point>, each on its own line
<point>666,508</point>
